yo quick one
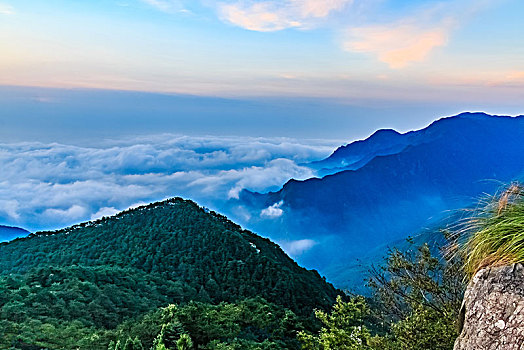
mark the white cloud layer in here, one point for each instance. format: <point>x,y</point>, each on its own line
<point>53,185</point>
<point>274,211</point>
<point>298,247</point>
<point>6,9</point>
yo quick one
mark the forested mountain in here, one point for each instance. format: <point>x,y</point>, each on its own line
<point>8,233</point>
<point>96,275</point>
<point>399,185</point>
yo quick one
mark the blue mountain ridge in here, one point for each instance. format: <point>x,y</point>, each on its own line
<point>359,153</point>
<point>8,233</point>
<point>393,186</point>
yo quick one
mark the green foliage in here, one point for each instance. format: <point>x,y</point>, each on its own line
<point>342,329</point>
<point>184,342</point>
<point>211,258</point>
<point>68,305</point>
<point>249,324</point>
<point>495,232</point>
<point>101,297</point>
<point>73,287</point>
<point>35,334</point>
<point>425,328</point>
<point>417,298</point>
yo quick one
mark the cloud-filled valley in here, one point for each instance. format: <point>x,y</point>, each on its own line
<point>46,186</point>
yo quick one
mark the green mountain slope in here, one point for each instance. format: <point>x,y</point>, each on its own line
<point>185,251</point>
<point>73,287</point>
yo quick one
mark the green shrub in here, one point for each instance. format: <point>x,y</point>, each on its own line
<point>495,232</point>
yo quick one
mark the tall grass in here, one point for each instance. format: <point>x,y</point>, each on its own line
<point>494,234</point>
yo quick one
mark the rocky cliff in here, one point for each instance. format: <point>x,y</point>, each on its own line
<point>492,315</point>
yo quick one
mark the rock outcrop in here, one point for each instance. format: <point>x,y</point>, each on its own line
<point>492,315</point>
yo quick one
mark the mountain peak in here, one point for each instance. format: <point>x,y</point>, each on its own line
<point>185,244</point>
<point>386,131</point>
<point>474,115</point>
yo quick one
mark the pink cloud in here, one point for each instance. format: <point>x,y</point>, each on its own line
<point>320,8</point>
<point>262,17</point>
<point>267,16</point>
<point>397,45</point>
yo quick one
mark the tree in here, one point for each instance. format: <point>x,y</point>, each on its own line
<point>417,298</point>
<point>342,329</point>
<point>184,343</point>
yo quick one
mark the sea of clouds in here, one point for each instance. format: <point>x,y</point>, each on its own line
<point>48,186</point>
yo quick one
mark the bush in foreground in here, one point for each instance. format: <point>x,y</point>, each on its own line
<point>495,233</point>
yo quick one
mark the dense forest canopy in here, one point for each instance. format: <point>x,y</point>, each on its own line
<point>90,278</point>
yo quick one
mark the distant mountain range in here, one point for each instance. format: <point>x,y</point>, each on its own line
<point>389,186</point>
<point>8,233</point>
<point>357,154</point>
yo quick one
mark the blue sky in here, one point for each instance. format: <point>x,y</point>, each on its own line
<point>364,64</point>
<point>347,49</point>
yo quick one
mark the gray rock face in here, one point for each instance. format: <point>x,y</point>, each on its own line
<point>492,315</point>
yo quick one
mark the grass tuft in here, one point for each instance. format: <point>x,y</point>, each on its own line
<point>494,234</point>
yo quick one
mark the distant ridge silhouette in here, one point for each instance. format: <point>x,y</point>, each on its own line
<point>390,186</point>
<point>8,233</point>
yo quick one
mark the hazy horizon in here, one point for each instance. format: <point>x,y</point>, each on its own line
<point>360,65</point>
<point>90,116</point>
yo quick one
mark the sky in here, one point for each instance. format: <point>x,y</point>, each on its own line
<point>460,52</point>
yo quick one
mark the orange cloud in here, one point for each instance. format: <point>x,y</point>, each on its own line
<point>507,79</point>
<point>397,45</point>
<point>516,76</point>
